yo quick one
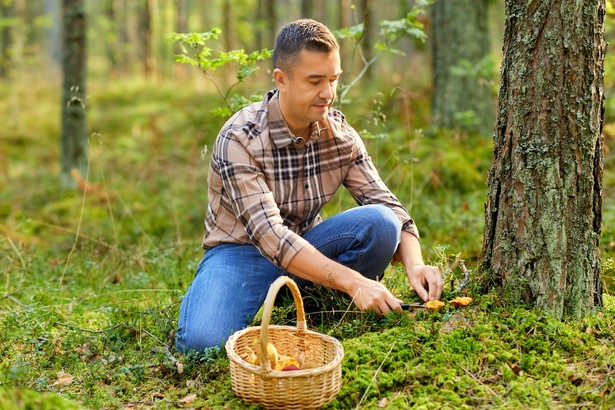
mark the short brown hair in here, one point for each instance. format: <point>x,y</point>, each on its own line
<point>301,34</point>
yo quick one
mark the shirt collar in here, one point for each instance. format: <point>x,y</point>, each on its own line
<point>278,130</point>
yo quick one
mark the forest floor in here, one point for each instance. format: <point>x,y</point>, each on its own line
<point>93,277</point>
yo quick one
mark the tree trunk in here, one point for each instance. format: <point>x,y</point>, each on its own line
<point>271,18</point>
<point>544,211</point>
<point>6,12</point>
<point>259,30</point>
<point>460,42</point>
<point>345,20</point>
<point>181,26</point>
<point>307,9</point>
<point>145,37</point>
<point>367,41</point>
<point>74,139</point>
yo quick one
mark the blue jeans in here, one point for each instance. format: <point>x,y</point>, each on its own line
<point>231,281</point>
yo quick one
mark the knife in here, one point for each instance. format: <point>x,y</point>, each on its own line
<point>408,306</point>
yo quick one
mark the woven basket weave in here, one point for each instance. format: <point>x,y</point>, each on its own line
<point>297,389</point>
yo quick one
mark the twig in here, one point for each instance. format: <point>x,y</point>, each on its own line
<point>81,211</point>
<point>466,279</point>
<point>81,235</point>
<point>478,380</point>
<point>376,374</point>
<point>87,330</point>
<point>21,259</point>
<point>167,350</point>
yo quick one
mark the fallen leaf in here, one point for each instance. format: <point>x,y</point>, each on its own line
<point>188,400</point>
<point>516,369</point>
<point>383,403</point>
<point>434,304</point>
<point>64,379</point>
<point>461,301</point>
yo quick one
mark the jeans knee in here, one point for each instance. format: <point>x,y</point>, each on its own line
<point>386,226</point>
<point>187,341</point>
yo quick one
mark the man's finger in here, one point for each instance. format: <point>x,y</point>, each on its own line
<point>419,289</point>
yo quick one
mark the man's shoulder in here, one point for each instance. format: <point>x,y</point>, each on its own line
<point>251,120</point>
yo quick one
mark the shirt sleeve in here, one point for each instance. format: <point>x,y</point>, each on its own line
<point>365,185</point>
<point>245,188</point>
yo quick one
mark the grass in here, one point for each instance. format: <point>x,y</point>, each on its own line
<point>91,284</point>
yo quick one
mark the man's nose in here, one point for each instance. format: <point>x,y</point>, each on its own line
<point>327,92</point>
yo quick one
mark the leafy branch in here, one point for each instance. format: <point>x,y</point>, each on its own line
<point>196,52</point>
<point>391,31</point>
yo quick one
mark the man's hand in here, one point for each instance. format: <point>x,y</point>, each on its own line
<point>426,281</point>
<point>373,296</point>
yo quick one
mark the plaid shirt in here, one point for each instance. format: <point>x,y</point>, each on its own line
<point>267,187</point>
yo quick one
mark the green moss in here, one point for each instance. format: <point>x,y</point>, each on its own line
<point>24,399</point>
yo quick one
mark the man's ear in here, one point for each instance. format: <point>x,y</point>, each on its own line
<point>280,78</point>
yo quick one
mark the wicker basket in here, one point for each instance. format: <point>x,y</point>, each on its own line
<point>297,389</point>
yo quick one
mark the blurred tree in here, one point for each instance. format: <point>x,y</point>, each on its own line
<point>181,26</point>
<point>121,24</point>
<point>544,210</point>
<point>110,34</point>
<point>460,46</point>
<point>367,40</point>
<point>345,20</point>
<point>271,21</point>
<point>145,36</point>
<point>227,25</point>
<point>307,9</point>
<point>74,138</point>
<point>6,21</point>
<point>259,28</point>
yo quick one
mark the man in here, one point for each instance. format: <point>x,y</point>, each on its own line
<point>274,165</point>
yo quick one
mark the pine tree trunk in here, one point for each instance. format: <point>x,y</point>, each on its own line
<point>544,211</point>
<point>460,41</point>
<point>74,139</point>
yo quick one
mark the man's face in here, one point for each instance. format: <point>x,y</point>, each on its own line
<point>308,90</point>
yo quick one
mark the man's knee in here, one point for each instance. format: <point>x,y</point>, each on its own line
<point>199,341</point>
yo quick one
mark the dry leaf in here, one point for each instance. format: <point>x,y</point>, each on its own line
<point>434,304</point>
<point>188,400</point>
<point>64,379</point>
<point>461,301</point>
<point>383,403</point>
<point>516,368</point>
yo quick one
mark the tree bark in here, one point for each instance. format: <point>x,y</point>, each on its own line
<point>460,41</point>
<point>544,210</point>
<point>74,138</point>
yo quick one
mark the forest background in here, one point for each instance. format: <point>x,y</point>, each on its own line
<point>93,276</point>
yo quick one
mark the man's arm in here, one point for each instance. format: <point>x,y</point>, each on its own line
<point>424,279</point>
<point>367,294</point>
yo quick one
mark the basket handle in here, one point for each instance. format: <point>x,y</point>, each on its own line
<point>268,308</point>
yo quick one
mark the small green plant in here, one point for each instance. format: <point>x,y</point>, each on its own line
<point>195,51</point>
<point>390,32</point>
